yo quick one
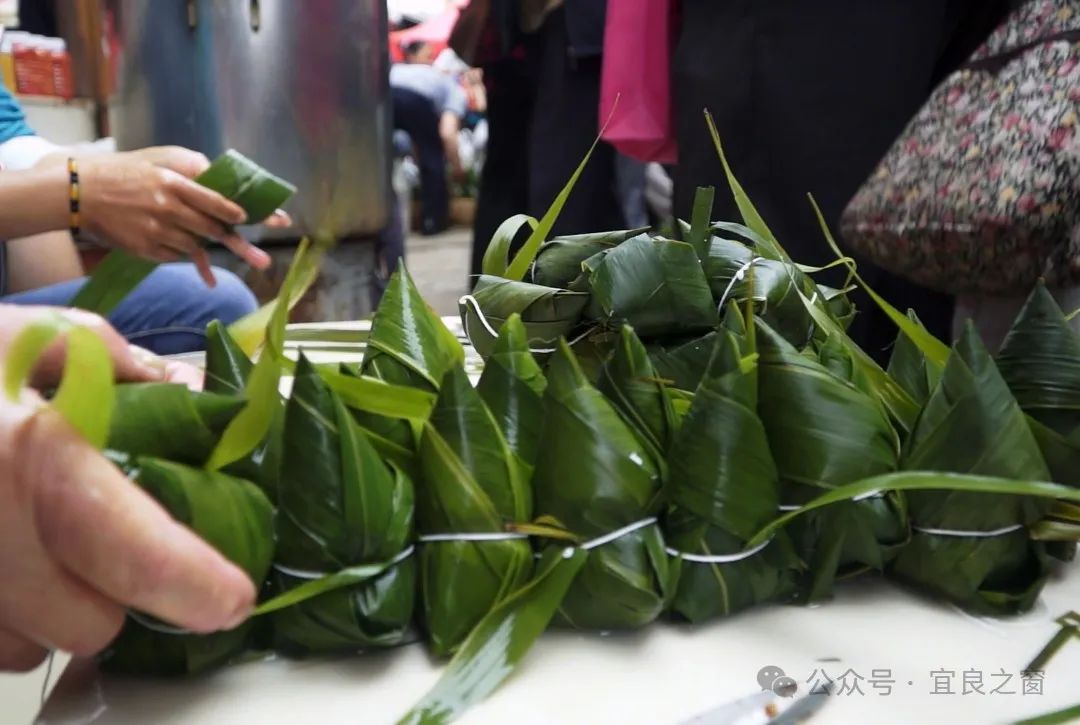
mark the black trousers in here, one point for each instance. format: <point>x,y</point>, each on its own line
<point>808,96</point>
<point>564,125</point>
<point>504,181</point>
<point>416,115</point>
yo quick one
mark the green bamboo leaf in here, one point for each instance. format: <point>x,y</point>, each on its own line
<point>512,385</point>
<point>1040,361</point>
<point>558,263</point>
<point>497,256</point>
<point>1067,715</point>
<point>235,518</point>
<point>824,432</point>
<point>548,313</point>
<point>113,280</point>
<point>86,394</point>
<point>700,230</point>
<point>250,331</point>
<point>253,423</point>
<point>909,368</point>
<point>935,350</point>
<point>657,286</point>
<point>768,245</point>
<point>228,370</point>
<point>921,481</point>
<point>500,641</point>
<point>234,176</point>
<point>519,267</point>
<point>724,486</point>
<point>348,577</point>
<point>603,479</point>
<point>340,506</point>
<point>973,404</point>
<point>241,180</point>
<point>374,396</point>
<point>85,397</point>
<point>629,380</point>
<point>409,344</point>
<point>170,421</point>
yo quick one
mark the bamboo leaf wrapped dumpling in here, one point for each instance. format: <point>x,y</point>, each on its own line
<point>512,385</point>
<point>232,515</point>
<point>974,548</point>
<point>169,421</point>
<point>597,479</point>
<point>469,485</point>
<point>409,344</point>
<point>723,485</point>
<point>825,432</point>
<point>548,313</point>
<point>655,285</point>
<point>558,263</point>
<point>227,370</point>
<point>340,505</point>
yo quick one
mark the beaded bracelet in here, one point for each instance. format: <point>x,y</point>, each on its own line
<point>73,197</point>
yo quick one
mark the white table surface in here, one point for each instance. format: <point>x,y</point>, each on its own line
<point>662,674</point>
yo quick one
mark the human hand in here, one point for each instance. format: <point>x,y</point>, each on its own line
<point>147,203</point>
<point>79,543</point>
<point>130,363</point>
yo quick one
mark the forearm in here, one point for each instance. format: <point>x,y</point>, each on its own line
<point>34,201</point>
<point>449,125</point>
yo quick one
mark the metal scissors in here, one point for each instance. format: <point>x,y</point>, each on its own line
<point>764,708</point>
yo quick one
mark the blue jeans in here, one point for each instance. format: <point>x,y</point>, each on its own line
<point>167,313</point>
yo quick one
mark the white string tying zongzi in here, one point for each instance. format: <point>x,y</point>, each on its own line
<point>471,536</point>
<point>961,534</point>
<point>470,302</point>
<point>737,277</point>
<point>719,558</point>
<point>163,628</point>
<point>617,534</point>
<point>855,499</point>
<point>313,575</point>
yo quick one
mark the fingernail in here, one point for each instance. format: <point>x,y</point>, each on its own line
<point>153,365</point>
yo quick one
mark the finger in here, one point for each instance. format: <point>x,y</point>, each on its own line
<point>195,222</point>
<point>183,161</point>
<point>184,374</point>
<point>117,539</point>
<point>208,202</point>
<point>247,251</point>
<point>202,263</point>
<point>50,367</point>
<point>280,219</point>
<point>18,654</point>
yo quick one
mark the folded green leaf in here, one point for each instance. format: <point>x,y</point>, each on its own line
<point>972,424</point>
<point>112,280</point>
<point>499,641</point>
<point>170,421</point>
<point>824,432</point>
<point>724,487</point>
<point>656,285</point>
<point>602,479</point>
<point>548,313</point>
<point>558,263</point>
<point>469,483</point>
<point>512,385</point>
<point>227,372</point>
<point>630,382</point>
<point>235,518</point>
<point>340,506</point>
<point>85,397</point>
<point>409,344</point>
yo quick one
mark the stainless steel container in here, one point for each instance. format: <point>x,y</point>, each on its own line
<point>298,85</point>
